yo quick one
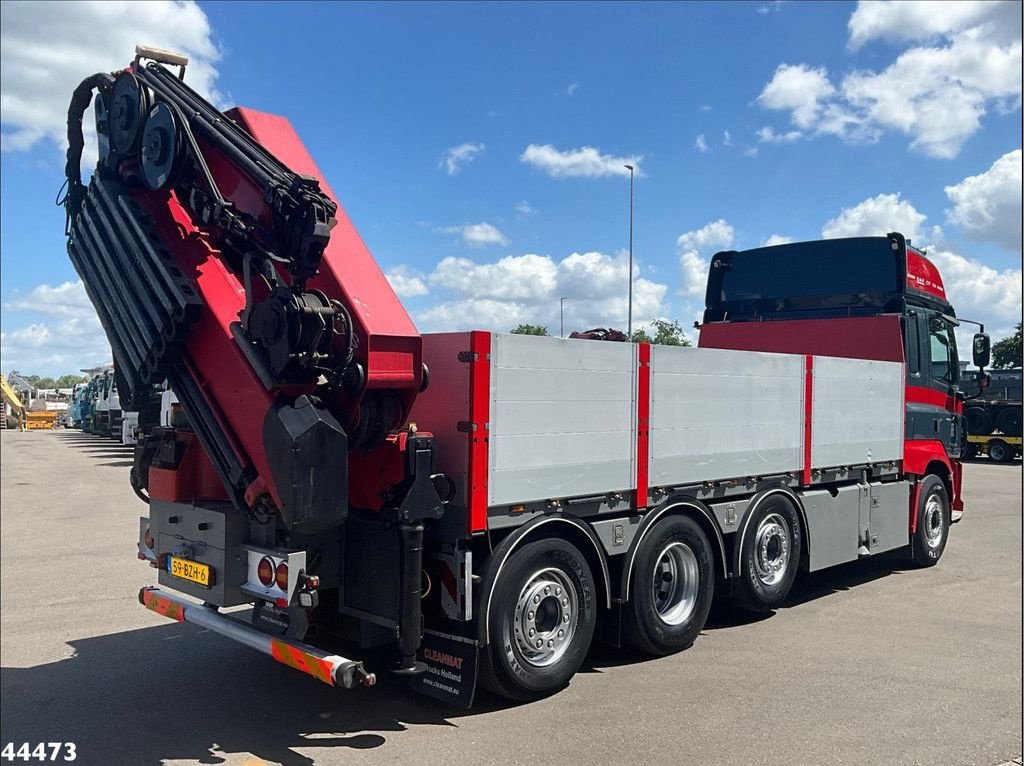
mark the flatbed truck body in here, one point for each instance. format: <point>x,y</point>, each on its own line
<point>487,504</point>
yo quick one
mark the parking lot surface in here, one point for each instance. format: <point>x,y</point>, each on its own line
<point>870,663</point>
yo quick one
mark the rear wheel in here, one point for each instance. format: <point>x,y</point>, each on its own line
<point>542,618</point>
<point>979,421</point>
<point>970,451</point>
<point>999,451</point>
<point>769,555</point>
<point>933,517</point>
<point>671,589</point>
<point>1009,421</point>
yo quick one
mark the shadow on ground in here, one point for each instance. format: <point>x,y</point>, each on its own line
<point>174,691</point>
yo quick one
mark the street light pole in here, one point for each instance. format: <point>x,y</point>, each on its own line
<point>629,320</point>
<point>561,317</point>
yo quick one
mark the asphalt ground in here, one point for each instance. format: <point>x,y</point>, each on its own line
<point>873,662</point>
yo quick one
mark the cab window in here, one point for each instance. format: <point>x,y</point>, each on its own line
<point>944,361</point>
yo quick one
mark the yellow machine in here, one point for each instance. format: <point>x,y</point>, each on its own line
<point>17,408</point>
<point>31,420</point>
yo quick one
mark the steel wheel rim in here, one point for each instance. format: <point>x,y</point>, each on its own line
<point>934,521</point>
<point>675,583</point>
<point>771,550</point>
<point>546,617</point>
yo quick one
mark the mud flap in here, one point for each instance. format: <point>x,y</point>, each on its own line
<point>452,666</point>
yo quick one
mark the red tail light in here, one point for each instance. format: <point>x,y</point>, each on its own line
<point>265,571</point>
<point>281,576</point>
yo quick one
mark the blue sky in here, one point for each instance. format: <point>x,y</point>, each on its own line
<point>479,148</point>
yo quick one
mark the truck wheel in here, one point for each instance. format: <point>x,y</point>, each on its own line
<point>979,421</point>
<point>672,585</point>
<point>769,555</point>
<point>1008,421</point>
<point>970,451</point>
<point>999,451</point>
<point>542,618</point>
<point>929,540</point>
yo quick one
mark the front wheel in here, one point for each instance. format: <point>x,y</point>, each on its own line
<point>999,451</point>
<point>672,585</point>
<point>933,517</point>
<point>542,618</point>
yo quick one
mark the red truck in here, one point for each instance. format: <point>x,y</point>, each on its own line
<point>486,504</point>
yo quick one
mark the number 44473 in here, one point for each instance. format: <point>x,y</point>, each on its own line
<point>44,751</point>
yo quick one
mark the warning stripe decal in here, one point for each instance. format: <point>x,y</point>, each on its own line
<point>295,658</point>
<point>163,606</point>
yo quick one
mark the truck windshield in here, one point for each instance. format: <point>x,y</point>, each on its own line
<point>856,273</point>
<point>944,360</point>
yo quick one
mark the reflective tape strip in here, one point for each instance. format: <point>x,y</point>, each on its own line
<point>293,657</point>
<point>163,606</point>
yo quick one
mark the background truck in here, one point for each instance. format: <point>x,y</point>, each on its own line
<point>485,504</point>
<point>993,416</point>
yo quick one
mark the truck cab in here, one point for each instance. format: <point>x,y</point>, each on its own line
<point>860,298</point>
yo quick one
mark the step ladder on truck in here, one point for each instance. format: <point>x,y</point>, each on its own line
<point>484,504</point>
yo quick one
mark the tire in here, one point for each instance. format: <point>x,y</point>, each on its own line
<point>970,451</point>
<point>999,451</point>
<point>553,577</point>
<point>671,588</point>
<point>933,518</point>
<point>769,555</point>
<point>1008,421</point>
<point>979,421</point>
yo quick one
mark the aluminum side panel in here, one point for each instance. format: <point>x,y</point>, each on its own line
<point>719,414</point>
<point>563,418</point>
<point>857,414</point>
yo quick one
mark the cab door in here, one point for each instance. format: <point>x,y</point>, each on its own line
<point>933,378</point>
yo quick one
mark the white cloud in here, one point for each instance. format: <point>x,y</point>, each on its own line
<point>67,299</point>
<point>928,19</point>
<point>750,151</point>
<point>936,93</point>
<point>68,338</point>
<point>693,245</point>
<point>457,156</point>
<point>700,144</point>
<point>585,162</point>
<point>573,87</point>
<point>705,108</point>
<point>767,135</point>
<point>776,239</point>
<point>524,209</point>
<point>726,138</point>
<point>527,288</point>
<point>980,292</point>
<point>478,234</point>
<point>877,216</point>
<point>49,48</point>
<point>988,206</point>
<point>405,282</point>
<point>799,89</point>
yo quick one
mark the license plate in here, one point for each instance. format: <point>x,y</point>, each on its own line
<point>193,571</point>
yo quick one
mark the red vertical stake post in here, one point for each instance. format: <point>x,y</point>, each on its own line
<point>808,412</point>
<point>643,421</point>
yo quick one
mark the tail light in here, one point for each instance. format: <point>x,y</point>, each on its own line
<point>148,539</point>
<point>265,572</point>
<point>281,576</point>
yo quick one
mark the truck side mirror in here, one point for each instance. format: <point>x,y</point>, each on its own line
<point>983,379</point>
<point>982,350</point>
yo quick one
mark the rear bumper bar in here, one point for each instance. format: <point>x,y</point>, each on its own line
<point>328,668</point>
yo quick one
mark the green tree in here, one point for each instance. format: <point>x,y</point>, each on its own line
<point>530,329</point>
<point>666,333</point>
<point>1007,352</point>
<point>69,381</point>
